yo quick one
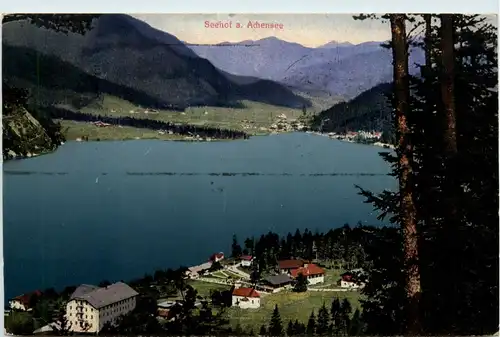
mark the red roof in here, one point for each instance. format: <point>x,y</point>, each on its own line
<point>216,256</point>
<point>245,292</point>
<point>290,264</point>
<point>310,270</point>
<point>247,257</point>
<point>25,298</point>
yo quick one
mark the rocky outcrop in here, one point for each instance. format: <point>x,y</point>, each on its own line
<point>24,135</point>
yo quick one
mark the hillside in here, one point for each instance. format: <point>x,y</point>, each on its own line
<point>370,110</point>
<point>129,53</point>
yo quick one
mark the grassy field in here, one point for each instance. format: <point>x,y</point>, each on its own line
<point>291,306</point>
<point>73,130</point>
<point>250,119</point>
<point>204,288</point>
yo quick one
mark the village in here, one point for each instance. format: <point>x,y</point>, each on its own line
<point>90,307</point>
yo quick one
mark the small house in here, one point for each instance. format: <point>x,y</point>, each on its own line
<point>246,260</point>
<point>278,282</point>
<point>312,272</point>
<point>349,280</point>
<point>23,302</point>
<point>286,266</point>
<point>246,298</point>
<point>216,257</point>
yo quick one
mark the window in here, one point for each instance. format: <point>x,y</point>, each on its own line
<point>70,307</point>
<point>70,314</point>
<point>91,316</point>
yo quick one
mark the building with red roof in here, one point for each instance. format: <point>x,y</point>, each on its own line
<point>313,273</point>
<point>217,257</point>
<point>286,266</point>
<point>350,280</point>
<point>246,298</point>
<point>246,260</point>
<point>23,302</point>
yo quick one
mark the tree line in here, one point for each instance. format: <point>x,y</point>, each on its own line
<point>144,123</point>
<point>341,248</point>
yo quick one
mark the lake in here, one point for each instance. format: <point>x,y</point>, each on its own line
<point>116,210</point>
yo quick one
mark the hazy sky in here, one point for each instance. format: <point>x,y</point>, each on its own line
<point>307,29</point>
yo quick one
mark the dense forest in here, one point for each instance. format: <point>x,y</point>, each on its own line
<point>343,248</point>
<point>369,111</point>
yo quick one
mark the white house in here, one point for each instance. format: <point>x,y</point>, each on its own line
<point>246,298</point>
<point>22,302</point>
<point>91,307</point>
<point>348,281</point>
<point>312,272</point>
<point>217,257</point>
<point>246,260</point>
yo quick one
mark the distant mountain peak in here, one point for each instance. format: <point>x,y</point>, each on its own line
<point>334,44</point>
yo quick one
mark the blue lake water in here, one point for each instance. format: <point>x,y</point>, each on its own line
<point>115,210</point>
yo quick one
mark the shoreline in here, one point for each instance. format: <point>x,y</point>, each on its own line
<point>379,144</point>
<point>180,138</point>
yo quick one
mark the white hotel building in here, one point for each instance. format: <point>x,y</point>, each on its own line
<point>91,307</point>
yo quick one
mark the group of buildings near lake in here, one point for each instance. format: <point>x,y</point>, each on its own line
<point>90,308</point>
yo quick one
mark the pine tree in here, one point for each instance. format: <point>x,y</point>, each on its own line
<point>356,326</point>
<point>299,328</point>
<point>275,326</point>
<point>334,315</point>
<point>344,317</point>
<point>290,329</point>
<point>236,250</point>
<point>263,330</point>
<point>311,325</point>
<point>301,283</point>
<point>323,321</point>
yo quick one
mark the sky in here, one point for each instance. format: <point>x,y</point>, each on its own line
<point>310,30</point>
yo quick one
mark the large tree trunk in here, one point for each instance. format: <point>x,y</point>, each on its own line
<point>451,187</point>
<point>447,85</point>
<point>405,153</point>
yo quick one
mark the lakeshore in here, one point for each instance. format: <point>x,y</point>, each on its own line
<point>218,282</point>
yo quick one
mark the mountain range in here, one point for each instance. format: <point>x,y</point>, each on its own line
<point>128,58</point>
<point>342,69</point>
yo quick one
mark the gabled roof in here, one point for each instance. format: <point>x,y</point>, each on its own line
<point>24,299</point>
<point>246,257</point>
<point>278,279</point>
<point>245,292</point>
<point>82,290</point>
<point>290,264</point>
<point>215,256</point>
<point>105,296</point>
<point>309,270</point>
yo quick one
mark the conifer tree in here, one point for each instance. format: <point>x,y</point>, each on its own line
<point>300,284</point>
<point>275,326</point>
<point>323,321</point>
<point>356,326</point>
<point>263,330</point>
<point>311,325</point>
<point>290,329</point>
<point>299,327</point>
